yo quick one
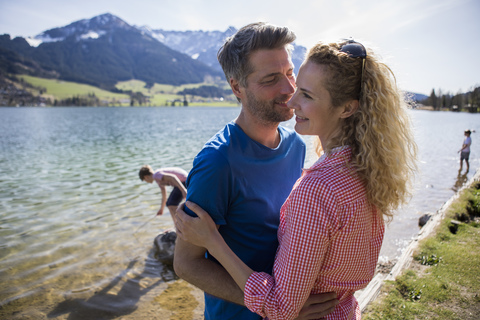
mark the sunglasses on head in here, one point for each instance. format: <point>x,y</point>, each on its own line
<point>355,50</point>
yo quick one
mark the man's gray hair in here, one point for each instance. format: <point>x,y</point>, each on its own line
<point>235,52</point>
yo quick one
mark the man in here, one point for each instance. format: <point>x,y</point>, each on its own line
<point>245,172</point>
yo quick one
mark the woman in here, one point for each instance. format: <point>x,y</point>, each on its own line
<point>332,224</point>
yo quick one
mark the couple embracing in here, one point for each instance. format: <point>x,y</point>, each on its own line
<point>259,234</point>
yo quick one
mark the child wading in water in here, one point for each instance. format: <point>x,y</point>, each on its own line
<point>172,176</point>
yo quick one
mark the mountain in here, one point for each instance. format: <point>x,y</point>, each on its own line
<point>104,50</point>
<point>199,45</point>
<point>204,45</point>
<point>418,96</point>
<point>13,63</point>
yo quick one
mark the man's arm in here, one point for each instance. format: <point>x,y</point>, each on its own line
<point>212,169</point>
<point>191,265</point>
<point>318,306</point>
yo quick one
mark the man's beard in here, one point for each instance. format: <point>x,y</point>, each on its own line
<point>266,111</point>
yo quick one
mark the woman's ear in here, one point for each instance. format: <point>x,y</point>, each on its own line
<point>350,108</point>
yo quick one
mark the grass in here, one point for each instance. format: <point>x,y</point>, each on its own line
<point>65,89</point>
<point>159,94</point>
<point>444,279</point>
<point>163,94</point>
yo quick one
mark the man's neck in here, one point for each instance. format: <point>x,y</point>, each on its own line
<point>264,133</point>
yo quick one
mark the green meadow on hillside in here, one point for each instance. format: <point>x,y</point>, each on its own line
<point>164,94</point>
<point>59,89</point>
<point>158,94</point>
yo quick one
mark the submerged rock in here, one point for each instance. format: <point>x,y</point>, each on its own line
<point>165,246</point>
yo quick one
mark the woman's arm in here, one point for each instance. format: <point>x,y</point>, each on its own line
<point>203,232</point>
<point>303,246</point>
<point>190,229</point>
<point>190,264</point>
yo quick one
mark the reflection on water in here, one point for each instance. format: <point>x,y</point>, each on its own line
<point>77,224</point>
<point>462,178</point>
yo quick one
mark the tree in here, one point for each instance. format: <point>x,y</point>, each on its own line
<point>459,100</point>
<point>433,99</point>
<point>475,100</point>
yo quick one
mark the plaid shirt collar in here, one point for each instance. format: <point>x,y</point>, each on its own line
<point>336,157</point>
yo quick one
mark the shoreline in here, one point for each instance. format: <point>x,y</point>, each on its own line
<point>372,291</point>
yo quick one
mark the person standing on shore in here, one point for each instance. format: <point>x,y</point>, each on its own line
<point>244,173</point>
<point>333,222</point>
<point>465,151</point>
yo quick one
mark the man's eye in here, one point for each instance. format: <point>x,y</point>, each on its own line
<point>306,95</point>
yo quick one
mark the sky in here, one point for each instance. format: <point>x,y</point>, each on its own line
<point>429,44</point>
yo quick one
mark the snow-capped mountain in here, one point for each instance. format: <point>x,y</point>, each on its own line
<point>84,29</point>
<point>105,49</point>
<point>204,45</point>
<point>199,45</point>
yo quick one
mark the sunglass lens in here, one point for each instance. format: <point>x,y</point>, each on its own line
<point>355,50</point>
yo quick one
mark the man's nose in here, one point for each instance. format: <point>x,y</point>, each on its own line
<point>292,103</point>
<point>288,85</point>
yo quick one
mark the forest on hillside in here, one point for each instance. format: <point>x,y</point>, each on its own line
<point>469,101</point>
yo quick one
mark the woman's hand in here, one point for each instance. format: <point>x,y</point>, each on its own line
<point>200,231</point>
<point>203,232</point>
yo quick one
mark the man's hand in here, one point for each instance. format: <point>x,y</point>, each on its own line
<point>318,306</point>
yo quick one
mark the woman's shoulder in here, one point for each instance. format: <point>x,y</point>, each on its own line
<point>339,180</point>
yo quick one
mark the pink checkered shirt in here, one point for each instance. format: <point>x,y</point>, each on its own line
<point>330,238</point>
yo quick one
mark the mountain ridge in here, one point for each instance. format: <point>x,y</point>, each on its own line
<point>104,50</point>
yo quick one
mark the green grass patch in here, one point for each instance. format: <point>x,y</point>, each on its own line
<point>140,86</point>
<point>444,279</point>
<point>64,89</point>
<point>132,85</point>
<point>164,94</point>
<point>158,94</point>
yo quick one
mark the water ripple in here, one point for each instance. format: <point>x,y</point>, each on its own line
<point>75,217</point>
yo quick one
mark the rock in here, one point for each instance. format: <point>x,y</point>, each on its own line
<point>453,226</point>
<point>165,246</point>
<point>385,267</point>
<point>424,219</point>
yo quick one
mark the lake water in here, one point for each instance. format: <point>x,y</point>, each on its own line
<point>76,220</point>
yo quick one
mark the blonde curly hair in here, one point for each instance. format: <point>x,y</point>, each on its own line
<point>379,132</point>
